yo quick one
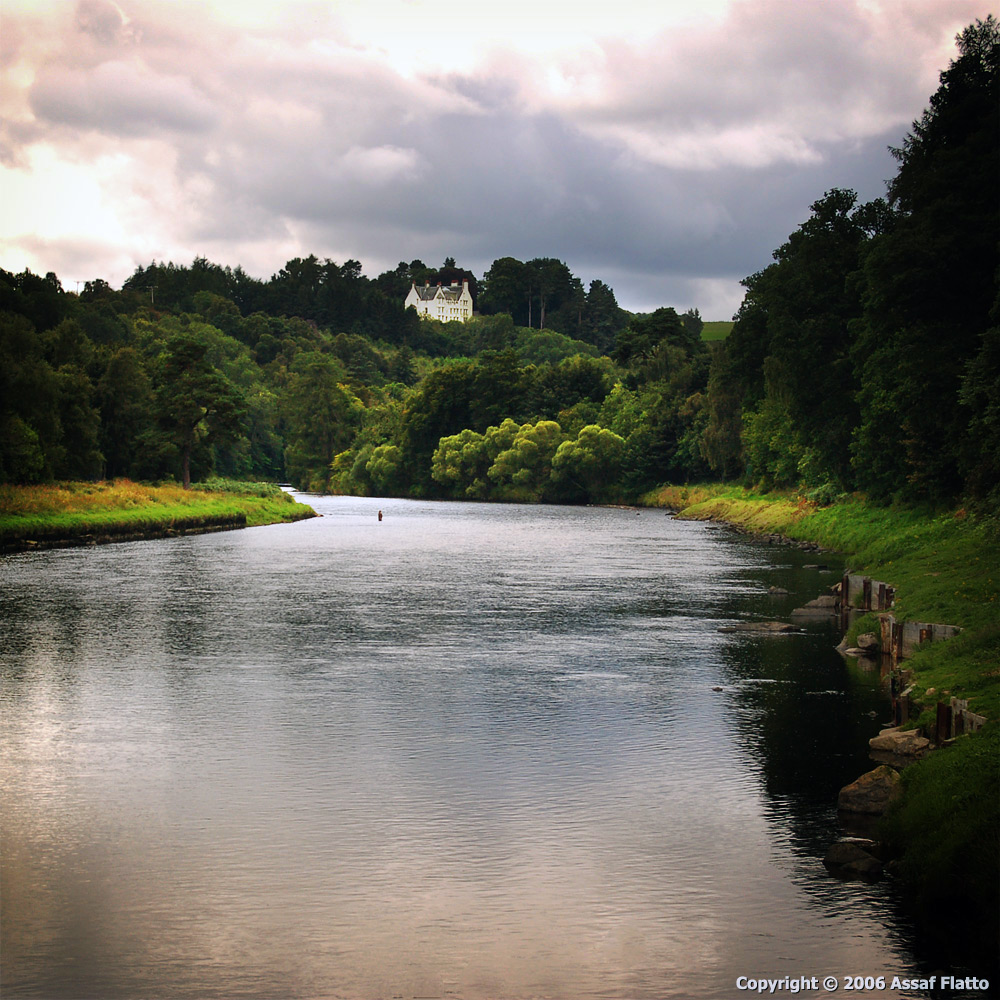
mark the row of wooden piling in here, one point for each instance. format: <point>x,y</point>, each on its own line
<point>898,640</point>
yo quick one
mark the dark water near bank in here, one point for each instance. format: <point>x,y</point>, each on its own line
<point>470,751</point>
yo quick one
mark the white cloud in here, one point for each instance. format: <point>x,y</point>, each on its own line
<point>380,165</point>
<point>73,205</point>
<point>757,144</point>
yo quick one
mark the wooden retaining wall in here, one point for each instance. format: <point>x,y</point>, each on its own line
<point>898,641</point>
<point>865,594</point>
<point>954,719</point>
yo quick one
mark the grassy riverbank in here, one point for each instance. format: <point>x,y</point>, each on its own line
<point>78,513</point>
<point>946,569</point>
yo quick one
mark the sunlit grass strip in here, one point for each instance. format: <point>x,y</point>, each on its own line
<point>68,511</point>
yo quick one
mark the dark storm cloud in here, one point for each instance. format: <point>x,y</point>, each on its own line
<point>482,186</point>
<point>121,98</point>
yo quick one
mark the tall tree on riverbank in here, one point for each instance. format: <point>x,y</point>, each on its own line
<point>789,356</point>
<point>928,288</point>
<point>196,402</point>
<point>320,417</point>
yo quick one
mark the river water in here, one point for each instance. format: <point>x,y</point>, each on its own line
<point>468,751</point>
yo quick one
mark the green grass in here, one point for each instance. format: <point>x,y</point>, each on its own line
<point>716,330</point>
<point>67,511</point>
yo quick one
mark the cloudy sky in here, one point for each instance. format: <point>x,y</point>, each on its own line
<point>663,146</point>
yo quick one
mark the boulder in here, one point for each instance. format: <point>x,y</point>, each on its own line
<point>813,610</point>
<point>824,601</point>
<point>826,604</point>
<point>868,641</point>
<point>777,591</point>
<point>853,859</point>
<point>902,743</point>
<point>869,869</point>
<point>763,627</point>
<point>872,793</point>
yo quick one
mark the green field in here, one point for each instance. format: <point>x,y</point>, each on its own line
<point>717,329</point>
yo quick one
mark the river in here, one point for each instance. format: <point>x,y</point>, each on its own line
<point>468,751</point>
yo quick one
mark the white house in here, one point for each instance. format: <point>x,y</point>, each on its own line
<point>444,302</point>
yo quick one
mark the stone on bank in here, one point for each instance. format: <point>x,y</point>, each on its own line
<point>872,793</point>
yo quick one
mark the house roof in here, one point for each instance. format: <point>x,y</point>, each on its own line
<point>450,292</point>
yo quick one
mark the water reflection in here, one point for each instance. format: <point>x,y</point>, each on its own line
<point>468,751</point>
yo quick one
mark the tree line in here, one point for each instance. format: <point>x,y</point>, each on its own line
<point>866,357</point>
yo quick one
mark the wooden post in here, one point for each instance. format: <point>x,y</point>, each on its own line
<point>885,635</point>
<point>866,599</point>
<point>942,727</point>
<point>958,706</point>
<point>881,597</point>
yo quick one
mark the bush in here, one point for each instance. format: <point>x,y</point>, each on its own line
<point>254,489</point>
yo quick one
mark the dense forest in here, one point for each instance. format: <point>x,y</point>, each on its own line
<point>865,357</point>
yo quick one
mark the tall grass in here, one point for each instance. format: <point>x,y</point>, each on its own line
<point>248,488</point>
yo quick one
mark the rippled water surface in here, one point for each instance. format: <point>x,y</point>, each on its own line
<point>469,751</point>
